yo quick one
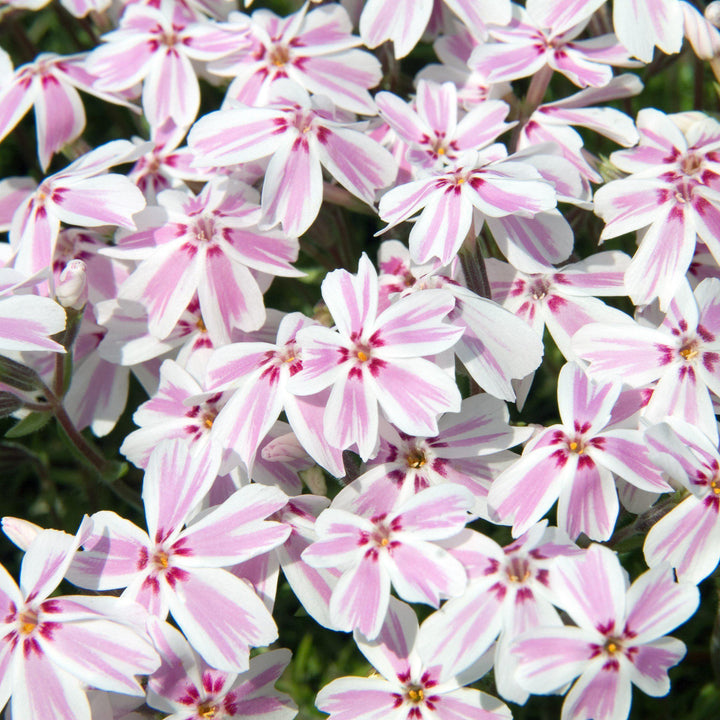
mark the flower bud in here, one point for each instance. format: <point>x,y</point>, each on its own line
<point>712,13</point>
<point>71,289</point>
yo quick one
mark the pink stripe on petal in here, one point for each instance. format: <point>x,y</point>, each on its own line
<point>351,415</point>
<point>657,604</point>
<point>423,572</point>
<point>688,538</point>
<point>41,690</point>
<point>590,505</point>
<point>360,599</point>
<point>352,299</point>
<point>59,116</point>
<point>174,484</point>
<point>602,691</point>
<point>236,531</point>
<point>103,654</point>
<point>651,663</point>
<point>222,617</point>
<point>528,489</point>
<point>592,589</point>
<point>356,161</point>
<point>442,226</point>
<point>292,189</point>
<point>413,392</point>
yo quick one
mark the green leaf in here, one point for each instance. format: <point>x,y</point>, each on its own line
<point>31,423</point>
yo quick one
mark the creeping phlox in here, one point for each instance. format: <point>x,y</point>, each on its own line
<point>402,438</point>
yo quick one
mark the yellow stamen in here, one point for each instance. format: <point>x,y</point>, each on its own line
<point>384,542</point>
<point>611,647</point>
<point>573,445</point>
<point>688,352</point>
<point>715,487</point>
<point>208,422</point>
<point>416,696</point>
<point>416,459</point>
<point>441,151</point>
<point>162,559</point>
<point>200,325</point>
<point>362,357</point>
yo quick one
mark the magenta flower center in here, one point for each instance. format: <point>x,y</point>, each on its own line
<point>518,570</point>
<point>691,164</point>
<point>279,56</point>
<point>539,289</point>
<point>416,458</point>
<point>209,710</point>
<point>28,620</point>
<point>204,229</point>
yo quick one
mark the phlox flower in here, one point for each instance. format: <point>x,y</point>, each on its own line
<point>256,376</point>
<point>157,46</point>
<point>470,449</point>
<point>673,191</point>
<point>431,129</point>
<point>82,194</point>
<point>208,245</point>
<point>619,639</point>
<point>373,358</point>
<point>401,547</point>
<point>688,537</point>
<point>508,593</point>
<point>542,35</point>
<point>682,355</point>
<point>53,648</point>
<point>301,136</point>
<point>477,185</point>
<point>167,415</point>
<point>574,463</point>
<point>561,299</point>
<point>186,686</point>
<point>179,569</point>
<point>315,49</point>
<point>410,685</point>
<point>50,83</point>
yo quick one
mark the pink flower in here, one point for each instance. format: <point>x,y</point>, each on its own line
<point>619,639</point>
<point>186,686</point>
<point>50,83</point>
<point>157,46</point>
<point>51,649</point>
<point>301,136</point>
<point>543,35</point>
<point>674,192</point>
<point>404,22</point>
<point>643,24</point>
<point>682,355</point>
<point>314,49</point>
<point>376,358</point>
<point>209,245</point>
<point>181,570</point>
<point>452,200</point>
<point>410,684</point>
<point>82,194</point>
<point>688,537</point>
<point>399,547</point>
<point>574,463</point>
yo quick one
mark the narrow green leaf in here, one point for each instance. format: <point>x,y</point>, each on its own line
<point>31,423</point>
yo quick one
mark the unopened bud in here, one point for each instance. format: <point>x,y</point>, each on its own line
<point>71,290</point>
<point>712,13</point>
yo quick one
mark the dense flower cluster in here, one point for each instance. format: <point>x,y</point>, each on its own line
<point>155,257</point>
